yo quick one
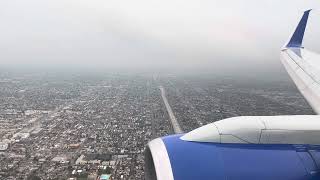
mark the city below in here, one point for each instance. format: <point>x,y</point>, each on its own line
<point>96,125</point>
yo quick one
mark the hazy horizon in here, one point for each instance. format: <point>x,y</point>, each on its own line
<point>233,36</point>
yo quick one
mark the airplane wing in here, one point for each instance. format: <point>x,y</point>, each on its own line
<point>250,147</point>
<point>303,65</point>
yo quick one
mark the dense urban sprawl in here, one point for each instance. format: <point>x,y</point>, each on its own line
<point>96,125</point>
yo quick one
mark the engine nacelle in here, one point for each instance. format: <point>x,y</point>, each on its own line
<point>186,157</point>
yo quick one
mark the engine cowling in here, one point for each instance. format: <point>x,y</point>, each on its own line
<point>179,158</point>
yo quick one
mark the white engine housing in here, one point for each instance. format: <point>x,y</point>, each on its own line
<point>301,129</point>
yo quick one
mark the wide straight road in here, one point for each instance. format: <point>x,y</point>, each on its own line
<point>175,124</point>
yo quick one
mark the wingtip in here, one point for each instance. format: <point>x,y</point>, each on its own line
<point>308,10</point>
<point>297,37</point>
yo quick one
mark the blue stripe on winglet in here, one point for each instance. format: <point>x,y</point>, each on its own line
<point>297,37</point>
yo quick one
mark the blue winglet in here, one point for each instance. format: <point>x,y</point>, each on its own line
<point>297,37</point>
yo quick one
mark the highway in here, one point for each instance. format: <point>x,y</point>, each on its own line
<point>175,124</point>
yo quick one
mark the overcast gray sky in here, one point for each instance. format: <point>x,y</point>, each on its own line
<point>150,34</point>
